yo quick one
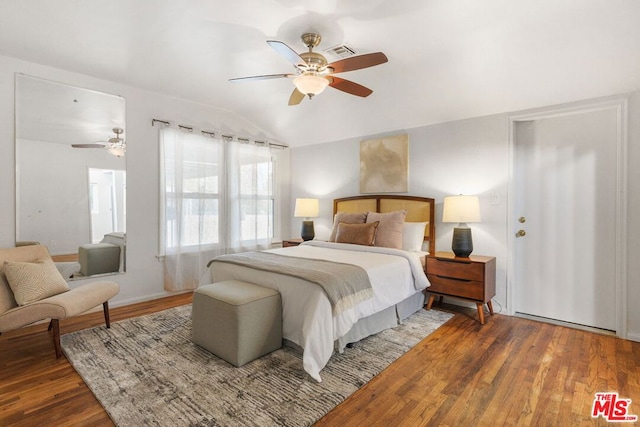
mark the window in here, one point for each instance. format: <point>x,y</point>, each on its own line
<point>191,180</point>
<point>217,194</point>
<point>256,195</point>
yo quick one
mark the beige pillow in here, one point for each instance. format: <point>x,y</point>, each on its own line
<point>348,218</point>
<point>358,234</point>
<point>33,281</point>
<point>389,234</point>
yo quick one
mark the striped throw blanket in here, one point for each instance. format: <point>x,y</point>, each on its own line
<point>345,284</point>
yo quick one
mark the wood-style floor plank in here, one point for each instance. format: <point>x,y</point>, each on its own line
<point>510,371</point>
<point>38,389</point>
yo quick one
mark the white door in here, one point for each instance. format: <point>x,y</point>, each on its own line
<point>101,203</point>
<point>565,186</point>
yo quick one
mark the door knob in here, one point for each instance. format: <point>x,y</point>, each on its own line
<point>521,233</point>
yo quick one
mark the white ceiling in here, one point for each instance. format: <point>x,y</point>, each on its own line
<point>448,59</point>
<point>63,114</point>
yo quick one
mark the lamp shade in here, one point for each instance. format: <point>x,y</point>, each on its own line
<point>310,83</point>
<point>306,208</point>
<point>461,209</point>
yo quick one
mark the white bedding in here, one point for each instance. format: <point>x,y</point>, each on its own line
<point>307,315</point>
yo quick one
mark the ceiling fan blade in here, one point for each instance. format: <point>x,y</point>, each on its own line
<point>296,97</point>
<point>289,54</point>
<point>88,145</point>
<point>265,77</point>
<point>358,62</point>
<point>349,87</point>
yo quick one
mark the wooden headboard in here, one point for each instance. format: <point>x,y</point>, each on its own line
<point>419,209</point>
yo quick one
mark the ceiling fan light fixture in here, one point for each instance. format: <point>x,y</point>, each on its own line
<point>118,146</point>
<point>314,73</point>
<point>310,83</point>
<point>117,150</point>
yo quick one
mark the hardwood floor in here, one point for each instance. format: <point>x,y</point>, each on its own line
<point>510,371</point>
<point>38,389</point>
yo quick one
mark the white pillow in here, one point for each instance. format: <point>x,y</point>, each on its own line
<point>413,236</point>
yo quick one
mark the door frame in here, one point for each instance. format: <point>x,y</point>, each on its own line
<point>620,105</point>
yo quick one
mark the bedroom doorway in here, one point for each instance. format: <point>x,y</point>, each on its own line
<point>107,194</point>
<point>568,217</point>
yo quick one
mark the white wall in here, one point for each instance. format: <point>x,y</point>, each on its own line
<point>470,157</point>
<point>53,183</point>
<point>463,157</point>
<point>143,279</point>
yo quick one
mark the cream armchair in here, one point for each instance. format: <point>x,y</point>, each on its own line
<point>18,310</point>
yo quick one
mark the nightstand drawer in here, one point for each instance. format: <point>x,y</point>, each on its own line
<point>455,269</point>
<point>460,288</point>
<point>472,278</point>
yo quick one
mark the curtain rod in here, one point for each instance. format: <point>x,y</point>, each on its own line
<point>164,122</point>
<point>243,140</point>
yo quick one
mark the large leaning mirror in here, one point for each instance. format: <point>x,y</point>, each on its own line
<point>71,175</point>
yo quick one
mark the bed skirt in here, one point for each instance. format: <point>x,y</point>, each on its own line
<point>378,322</point>
<point>385,319</point>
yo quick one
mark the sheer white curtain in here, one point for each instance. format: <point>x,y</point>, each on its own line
<point>216,197</point>
<point>250,199</point>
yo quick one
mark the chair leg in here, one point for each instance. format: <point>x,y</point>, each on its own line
<point>56,337</point>
<point>55,325</point>
<point>105,308</point>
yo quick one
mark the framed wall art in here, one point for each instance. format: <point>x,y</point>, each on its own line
<point>384,165</point>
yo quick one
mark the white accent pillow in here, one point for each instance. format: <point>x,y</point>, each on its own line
<point>413,236</point>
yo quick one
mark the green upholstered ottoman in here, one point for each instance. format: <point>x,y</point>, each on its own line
<point>237,321</point>
<point>99,258</point>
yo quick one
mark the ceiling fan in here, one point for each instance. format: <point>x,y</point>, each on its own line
<point>314,73</point>
<point>115,145</point>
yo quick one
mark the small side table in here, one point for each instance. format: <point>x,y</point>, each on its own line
<point>291,242</point>
<point>472,278</point>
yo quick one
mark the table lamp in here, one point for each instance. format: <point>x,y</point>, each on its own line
<point>461,209</point>
<point>306,208</point>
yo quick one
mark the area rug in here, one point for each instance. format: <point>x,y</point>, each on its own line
<point>146,371</point>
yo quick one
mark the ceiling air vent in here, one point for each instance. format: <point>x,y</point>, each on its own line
<point>341,51</point>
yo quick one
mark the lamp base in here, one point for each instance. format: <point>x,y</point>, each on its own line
<point>307,232</point>
<point>462,244</point>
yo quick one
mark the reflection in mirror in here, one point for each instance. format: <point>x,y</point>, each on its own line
<point>71,198</point>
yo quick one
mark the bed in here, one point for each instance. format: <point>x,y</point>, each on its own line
<point>312,320</point>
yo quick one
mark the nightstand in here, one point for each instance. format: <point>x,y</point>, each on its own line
<point>472,278</point>
<point>291,242</point>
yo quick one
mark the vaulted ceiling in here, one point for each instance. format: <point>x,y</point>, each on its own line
<point>448,59</point>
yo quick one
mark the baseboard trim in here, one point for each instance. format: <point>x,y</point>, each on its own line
<point>566,324</point>
<point>144,298</point>
<point>633,337</point>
